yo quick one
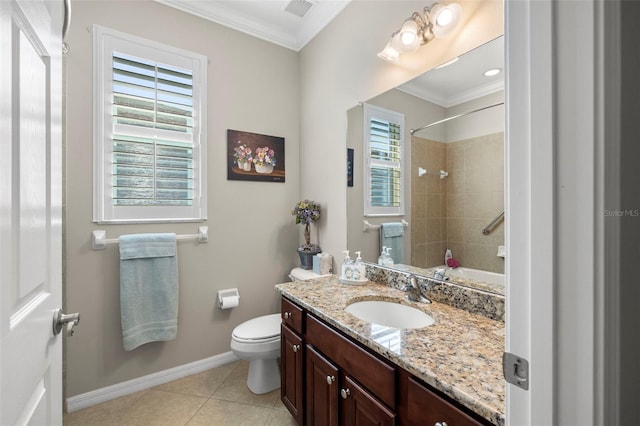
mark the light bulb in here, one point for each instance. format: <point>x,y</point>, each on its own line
<point>407,38</point>
<point>409,33</point>
<point>445,17</point>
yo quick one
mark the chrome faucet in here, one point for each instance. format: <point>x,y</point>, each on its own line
<point>413,291</point>
<point>441,274</point>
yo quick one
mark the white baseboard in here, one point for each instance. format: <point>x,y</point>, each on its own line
<point>108,393</point>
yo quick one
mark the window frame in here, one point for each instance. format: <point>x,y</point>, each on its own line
<point>369,112</point>
<point>105,42</point>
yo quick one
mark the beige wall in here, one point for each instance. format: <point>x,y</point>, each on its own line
<point>339,68</point>
<point>252,85</point>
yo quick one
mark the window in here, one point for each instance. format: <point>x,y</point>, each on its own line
<point>383,150</point>
<point>149,131</point>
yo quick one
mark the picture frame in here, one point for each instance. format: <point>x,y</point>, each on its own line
<point>255,157</point>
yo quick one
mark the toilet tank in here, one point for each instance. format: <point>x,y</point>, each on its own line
<point>299,274</point>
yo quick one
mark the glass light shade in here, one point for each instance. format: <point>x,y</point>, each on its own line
<point>390,54</point>
<point>409,33</point>
<point>407,39</point>
<point>445,18</point>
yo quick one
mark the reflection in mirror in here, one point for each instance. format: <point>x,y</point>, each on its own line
<point>453,171</point>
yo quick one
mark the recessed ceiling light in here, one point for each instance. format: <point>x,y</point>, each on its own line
<point>492,72</point>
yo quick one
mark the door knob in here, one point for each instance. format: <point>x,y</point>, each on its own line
<point>330,379</point>
<point>68,321</point>
<point>296,348</point>
<point>345,393</point>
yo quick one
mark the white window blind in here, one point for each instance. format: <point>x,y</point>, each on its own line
<point>383,131</point>
<point>152,97</point>
<point>149,142</point>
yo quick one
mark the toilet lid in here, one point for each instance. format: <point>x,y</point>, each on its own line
<point>259,328</point>
<point>302,274</point>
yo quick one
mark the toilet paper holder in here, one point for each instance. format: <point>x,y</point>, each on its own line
<point>228,298</point>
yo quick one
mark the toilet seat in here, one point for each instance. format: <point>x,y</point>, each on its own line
<point>262,329</point>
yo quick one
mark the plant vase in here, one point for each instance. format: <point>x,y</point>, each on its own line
<point>264,168</point>
<point>306,257</point>
<point>244,165</point>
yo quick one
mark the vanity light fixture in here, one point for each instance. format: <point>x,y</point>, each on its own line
<point>436,21</point>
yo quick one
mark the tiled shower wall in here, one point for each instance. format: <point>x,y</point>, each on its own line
<point>451,213</point>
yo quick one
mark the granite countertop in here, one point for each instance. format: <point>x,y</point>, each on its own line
<point>460,355</point>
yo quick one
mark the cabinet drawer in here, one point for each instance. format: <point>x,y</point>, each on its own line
<point>373,373</point>
<point>427,408</point>
<point>291,315</point>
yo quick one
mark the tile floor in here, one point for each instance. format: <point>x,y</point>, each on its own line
<point>217,397</point>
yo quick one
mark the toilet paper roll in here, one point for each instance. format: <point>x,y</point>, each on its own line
<point>228,302</point>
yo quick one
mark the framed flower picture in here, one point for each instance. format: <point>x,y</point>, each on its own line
<point>256,157</point>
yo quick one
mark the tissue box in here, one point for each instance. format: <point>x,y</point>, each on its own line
<point>322,263</point>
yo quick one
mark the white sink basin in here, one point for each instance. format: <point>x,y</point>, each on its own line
<point>390,314</point>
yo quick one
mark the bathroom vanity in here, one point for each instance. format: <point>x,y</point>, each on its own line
<point>339,370</point>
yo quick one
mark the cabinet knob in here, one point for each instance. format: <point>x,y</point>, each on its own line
<point>441,424</point>
<point>345,393</point>
<point>287,315</point>
<point>296,348</point>
<point>330,379</point>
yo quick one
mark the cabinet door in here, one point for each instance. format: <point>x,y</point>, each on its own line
<point>361,408</point>
<point>427,408</point>
<point>291,372</point>
<point>322,389</point>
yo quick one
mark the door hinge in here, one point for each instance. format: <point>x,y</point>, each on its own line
<point>516,370</point>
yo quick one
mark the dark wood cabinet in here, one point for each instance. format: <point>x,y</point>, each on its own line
<point>360,407</point>
<point>425,407</point>
<point>292,372</point>
<point>329,379</point>
<point>321,389</point>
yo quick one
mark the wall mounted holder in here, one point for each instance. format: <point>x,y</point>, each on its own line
<point>99,238</point>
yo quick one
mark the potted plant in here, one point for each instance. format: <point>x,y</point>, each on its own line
<point>307,212</point>
<point>242,155</point>
<point>264,160</point>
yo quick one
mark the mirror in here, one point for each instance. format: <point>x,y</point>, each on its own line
<point>453,171</point>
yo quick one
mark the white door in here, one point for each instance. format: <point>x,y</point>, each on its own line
<point>30,211</point>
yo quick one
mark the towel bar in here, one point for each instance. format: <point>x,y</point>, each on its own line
<point>99,237</point>
<point>366,225</point>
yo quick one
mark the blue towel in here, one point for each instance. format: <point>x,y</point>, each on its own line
<point>392,235</point>
<point>148,288</point>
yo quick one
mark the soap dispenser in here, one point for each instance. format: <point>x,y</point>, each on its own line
<point>382,255</point>
<point>347,266</point>
<point>359,270</point>
<point>388,260</point>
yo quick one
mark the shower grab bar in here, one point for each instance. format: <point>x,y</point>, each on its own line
<point>366,225</point>
<point>487,229</point>
<point>444,120</point>
<point>99,237</point>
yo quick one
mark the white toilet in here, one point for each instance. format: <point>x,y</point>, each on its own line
<point>258,341</point>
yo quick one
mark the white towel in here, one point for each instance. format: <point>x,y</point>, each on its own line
<point>148,288</point>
